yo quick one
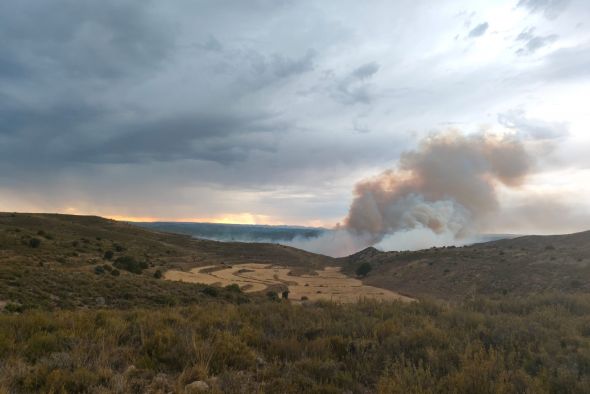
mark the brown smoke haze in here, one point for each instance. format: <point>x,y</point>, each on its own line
<point>447,185</point>
<point>440,193</point>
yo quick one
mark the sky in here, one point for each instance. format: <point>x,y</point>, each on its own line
<point>271,111</point>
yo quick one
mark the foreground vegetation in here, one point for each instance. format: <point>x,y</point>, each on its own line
<point>534,344</point>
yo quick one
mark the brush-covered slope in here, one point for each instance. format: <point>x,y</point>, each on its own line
<point>521,265</point>
<point>49,260</point>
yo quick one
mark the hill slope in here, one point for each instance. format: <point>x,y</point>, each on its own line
<point>522,265</point>
<point>51,261</point>
<point>71,247</point>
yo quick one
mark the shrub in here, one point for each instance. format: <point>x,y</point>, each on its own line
<point>34,242</point>
<point>272,295</point>
<point>285,294</point>
<point>128,263</point>
<point>363,269</point>
<point>99,270</point>
<point>158,274</point>
<point>234,287</point>
<point>108,255</point>
<point>115,273</point>
<point>211,291</point>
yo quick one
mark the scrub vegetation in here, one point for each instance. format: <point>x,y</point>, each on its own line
<point>77,319</point>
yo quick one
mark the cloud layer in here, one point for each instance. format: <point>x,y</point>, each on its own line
<point>267,109</point>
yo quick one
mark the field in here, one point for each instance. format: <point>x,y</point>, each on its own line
<point>327,284</point>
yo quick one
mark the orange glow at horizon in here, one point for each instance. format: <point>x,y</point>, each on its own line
<point>239,218</point>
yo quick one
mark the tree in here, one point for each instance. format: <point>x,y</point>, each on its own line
<point>363,269</point>
<point>34,242</point>
<point>285,294</point>
<point>108,255</point>
<point>158,274</point>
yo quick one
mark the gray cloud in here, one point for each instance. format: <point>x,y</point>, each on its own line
<point>478,30</point>
<point>355,87</point>
<point>533,128</point>
<point>550,9</point>
<point>533,42</point>
<point>103,40</point>
<point>205,107</point>
<point>366,70</point>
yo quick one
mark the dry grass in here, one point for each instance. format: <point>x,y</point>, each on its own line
<point>327,284</point>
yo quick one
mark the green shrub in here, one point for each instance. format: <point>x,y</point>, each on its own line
<point>128,263</point>
<point>211,291</point>
<point>234,287</point>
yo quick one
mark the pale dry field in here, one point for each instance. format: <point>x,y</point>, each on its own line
<point>328,284</point>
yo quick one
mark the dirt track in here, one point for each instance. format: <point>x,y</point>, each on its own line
<point>328,284</point>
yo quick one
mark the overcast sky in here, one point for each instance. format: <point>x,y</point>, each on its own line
<point>270,111</point>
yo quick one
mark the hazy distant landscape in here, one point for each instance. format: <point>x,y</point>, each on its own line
<point>236,232</point>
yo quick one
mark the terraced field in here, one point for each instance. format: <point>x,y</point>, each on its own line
<point>326,284</point>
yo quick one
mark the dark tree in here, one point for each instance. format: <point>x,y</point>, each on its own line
<point>363,269</point>
<point>34,242</point>
<point>108,255</point>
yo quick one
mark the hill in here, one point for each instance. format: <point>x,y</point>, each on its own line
<point>50,260</point>
<point>517,266</point>
<point>72,326</point>
<point>71,247</point>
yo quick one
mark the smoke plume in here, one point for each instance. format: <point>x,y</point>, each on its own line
<point>447,185</point>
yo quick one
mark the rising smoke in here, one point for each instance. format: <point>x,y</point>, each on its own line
<point>443,192</point>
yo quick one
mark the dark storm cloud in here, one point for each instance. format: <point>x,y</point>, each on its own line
<point>81,39</point>
<point>148,104</point>
<point>550,9</point>
<point>194,137</point>
<point>80,57</point>
<point>478,30</point>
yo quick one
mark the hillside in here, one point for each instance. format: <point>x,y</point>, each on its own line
<point>49,260</point>
<point>71,247</point>
<point>518,266</point>
<point>69,325</point>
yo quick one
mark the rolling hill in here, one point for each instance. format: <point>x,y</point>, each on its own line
<point>524,265</point>
<point>519,320</point>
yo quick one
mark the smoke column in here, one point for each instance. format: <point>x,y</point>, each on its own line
<point>447,185</point>
<point>442,193</point>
